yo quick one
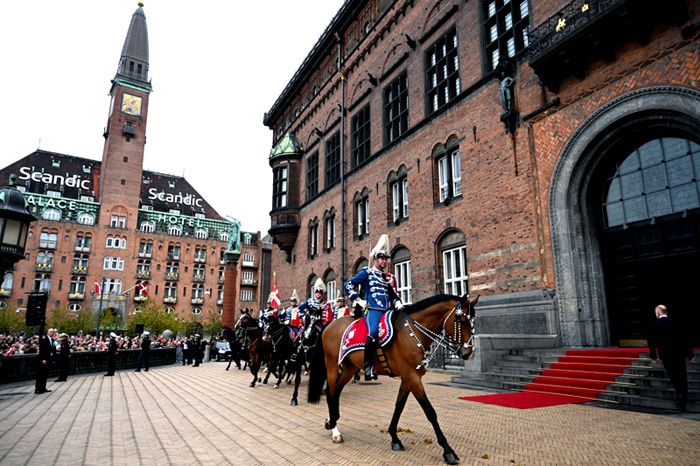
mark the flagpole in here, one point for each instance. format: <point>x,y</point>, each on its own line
<point>99,310</point>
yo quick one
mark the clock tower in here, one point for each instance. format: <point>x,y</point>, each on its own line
<point>125,134</point>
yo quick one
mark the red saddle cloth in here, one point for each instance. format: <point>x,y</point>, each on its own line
<point>356,334</point>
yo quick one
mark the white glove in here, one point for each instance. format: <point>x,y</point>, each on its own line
<point>360,302</point>
<point>398,305</point>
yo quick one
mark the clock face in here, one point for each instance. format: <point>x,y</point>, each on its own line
<point>131,104</point>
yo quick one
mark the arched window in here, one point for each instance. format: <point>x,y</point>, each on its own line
<point>148,226</point>
<point>74,307</point>
<point>223,236</point>
<point>169,309</point>
<point>175,230</point>
<point>401,258</point>
<point>658,178</point>
<point>7,280</point>
<point>86,218</point>
<point>196,311</point>
<point>329,278</point>
<point>453,260</point>
<point>359,264</point>
<point>201,233</point>
<point>51,214</point>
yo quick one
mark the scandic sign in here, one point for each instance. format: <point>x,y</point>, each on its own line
<point>72,181</point>
<point>179,198</point>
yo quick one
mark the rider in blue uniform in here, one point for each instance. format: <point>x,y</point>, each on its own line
<point>378,296</point>
<point>292,317</point>
<point>316,306</point>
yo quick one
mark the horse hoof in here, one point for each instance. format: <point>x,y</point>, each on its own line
<point>294,402</point>
<point>327,424</point>
<point>227,368</point>
<point>252,384</point>
<point>259,379</point>
<point>337,439</point>
<point>451,458</point>
<point>397,446</point>
<point>275,387</point>
<point>289,382</point>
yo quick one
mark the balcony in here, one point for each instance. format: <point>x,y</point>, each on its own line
<point>250,264</point>
<point>585,31</point>
<point>146,254</point>
<point>79,269</point>
<point>77,296</point>
<point>197,300</point>
<point>285,229</point>
<point>44,266</point>
<point>82,249</point>
<point>198,278</point>
<point>47,244</point>
<point>249,282</point>
<point>170,299</point>
<point>146,274</point>
<point>5,293</point>
<point>140,299</point>
<point>200,259</point>
<point>172,276</point>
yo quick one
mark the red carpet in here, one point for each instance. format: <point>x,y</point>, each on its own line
<point>577,376</point>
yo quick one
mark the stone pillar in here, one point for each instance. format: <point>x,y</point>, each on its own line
<point>228,317</point>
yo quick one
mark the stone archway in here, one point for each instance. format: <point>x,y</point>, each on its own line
<point>581,295</point>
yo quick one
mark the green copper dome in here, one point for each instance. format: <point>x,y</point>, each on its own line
<point>287,146</point>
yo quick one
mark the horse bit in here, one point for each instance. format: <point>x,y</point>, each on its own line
<point>444,338</point>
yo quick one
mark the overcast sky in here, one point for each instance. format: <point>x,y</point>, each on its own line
<point>216,67</point>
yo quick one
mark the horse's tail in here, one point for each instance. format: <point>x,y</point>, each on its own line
<point>317,372</point>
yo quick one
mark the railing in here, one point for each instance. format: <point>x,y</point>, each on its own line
<point>197,300</point>
<point>198,278</point>
<point>140,299</point>
<point>170,299</point>
<point>23,367</point>
<point>146,254</point>
<point>172,276</point>
<point>249,282</point>
<point>80,269</point>
<point>5,293</point>
<point>82,249</point>
<point>143,274</point>
<point>200,260</point>
<point>76,296</point>
<point>44,266</point>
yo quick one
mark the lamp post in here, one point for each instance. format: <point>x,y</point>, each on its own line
<point>14,224</point>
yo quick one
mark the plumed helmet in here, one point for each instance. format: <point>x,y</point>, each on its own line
<point>319,286</point>
<point>294,296</point>
<point>381,249</point>
<point>340,298</point>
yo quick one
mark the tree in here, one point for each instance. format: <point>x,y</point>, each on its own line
<point>155,318</point>
<point>11,321</point>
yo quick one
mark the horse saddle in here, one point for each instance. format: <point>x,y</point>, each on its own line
<point>356,334</point>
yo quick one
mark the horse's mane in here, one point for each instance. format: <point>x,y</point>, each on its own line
<point>427,302</point>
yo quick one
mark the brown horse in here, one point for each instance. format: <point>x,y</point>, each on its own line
<point>445,319</point>
<point>259,348</point>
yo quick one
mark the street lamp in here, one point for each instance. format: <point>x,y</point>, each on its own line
<point>14,224</point>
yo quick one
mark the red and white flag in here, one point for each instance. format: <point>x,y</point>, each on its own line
<point>275,294</point>
<point>143,288</point>
<point>98,288</point>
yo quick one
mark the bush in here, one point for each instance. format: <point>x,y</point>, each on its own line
<point>154,319</point>
<point>11,321</point>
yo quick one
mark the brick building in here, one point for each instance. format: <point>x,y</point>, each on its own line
<point>544,155</point>
<point>146,237</point>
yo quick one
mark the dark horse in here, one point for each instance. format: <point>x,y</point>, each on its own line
<point>260,349</point>
<point>237,345</point>
<point>282,350</point>
<point>307,344</point>
<point>444,319</point>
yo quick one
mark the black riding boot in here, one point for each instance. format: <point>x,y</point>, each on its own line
<point>370,352</point>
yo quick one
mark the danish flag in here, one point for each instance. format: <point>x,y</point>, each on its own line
<point>275,294</point>
<point>143,288</point>
<point>98,288</point>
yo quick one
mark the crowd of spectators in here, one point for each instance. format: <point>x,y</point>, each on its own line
<point>22,344</point>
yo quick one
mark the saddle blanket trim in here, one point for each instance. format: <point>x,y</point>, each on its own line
<point>355,335</point>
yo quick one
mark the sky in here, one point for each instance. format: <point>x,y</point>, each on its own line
<point>216,67</point>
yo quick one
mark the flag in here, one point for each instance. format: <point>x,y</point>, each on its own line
<point>143,288</point>
<point>98,288</point>
<point>275,295</point>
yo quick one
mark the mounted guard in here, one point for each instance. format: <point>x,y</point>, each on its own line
<point>317,306</point>
<point>292,317</point>
<point>378,289</point>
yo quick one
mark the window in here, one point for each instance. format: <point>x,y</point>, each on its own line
<point>198,291</point>
<point>196,310</point>
<point>313,238</point>
<point>7,282</point>
<point>505,29</point>
<point>87,198</point>
<point>113,263</point>
<point>42,282</point>
<point>112,285</point>
<point>331,287</point>
<point>247,277</point>
<point>658,178</point>
<point>77,285</point>
<point>402,269</point>
<point>83,242</point>
<point>117,221</point>
<point>246,295</point>
<point>169,309</point>
<point>201,233</point>
<point>148,226</point>
<point>74,307</point>
<point>312,176</point>
<point>48,240</point>
<point>199,215</point>
<point>360,137</point>
<point>199,272</point>
<point>329,230</point>
<point>86,218</point>
<point>200,254</point>
<point>170,290</point>
<point>172,270</point>
<point>220,294</point>
<point>44,260</point>
<point>223,236</point>
<point>279,187</point>
<point>51,214</point>
<point>116,242</point>
<point>143,266</point>
<point>80,263</point>
<point>222,273</point>
<point>396,108</point>
<point>174,211</point>
<point>453,253</point>
<point>248,259</point>
<point>141,289</point>
<point>398,194</point>
<point>175,230</point>
<point>442,72</point>
<point>145,248</point>
<point>52,193</point>
<point>333,160</point>
<point>361,203</point>
<point>247,239</point>
<point>174,252</point>
<point>449,176</point>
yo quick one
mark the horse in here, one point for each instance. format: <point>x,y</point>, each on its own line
<point>307,343</point>
<point>283,348</point>
<point>442,319</point>
<point>238,349</point>
<point>260,349</point>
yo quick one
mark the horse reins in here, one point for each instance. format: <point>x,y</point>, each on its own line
<point>443,339</point>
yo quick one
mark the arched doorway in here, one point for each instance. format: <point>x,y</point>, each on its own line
<point>611,274</point>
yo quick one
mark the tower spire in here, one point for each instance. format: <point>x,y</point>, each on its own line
<point>133,63</point>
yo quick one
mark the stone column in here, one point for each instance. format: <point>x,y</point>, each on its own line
<point>228,317</point>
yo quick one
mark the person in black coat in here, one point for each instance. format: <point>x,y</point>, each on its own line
<point>44,360</point>
<point>63,357</point>
<point>668,341</point>
<point>145,354</point>
<point>197,350</point>
<point>112,355</point>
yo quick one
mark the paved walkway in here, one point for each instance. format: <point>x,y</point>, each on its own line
<point>184,415</point>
